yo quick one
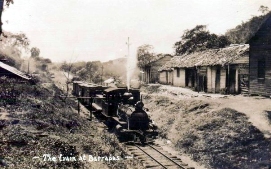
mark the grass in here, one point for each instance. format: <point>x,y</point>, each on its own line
<point>47,125</point>
<point>223,137</point>
<point>151,88</point>
<point>217,139</point>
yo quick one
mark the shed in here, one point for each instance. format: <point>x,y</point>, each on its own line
<point>150,74</point>
<point>214,70</point>
<point>12,72</point>
<point>260,60</point>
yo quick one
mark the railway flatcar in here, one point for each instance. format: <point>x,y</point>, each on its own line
<point>83,89</point>
<point>76,88</point>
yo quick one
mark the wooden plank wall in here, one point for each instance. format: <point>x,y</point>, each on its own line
<point>258,86</point>
<point>237,80</point>
<point>209,79</point>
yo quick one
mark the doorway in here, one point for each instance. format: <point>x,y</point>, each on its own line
<point>231,81</point>
<point>217,80</point>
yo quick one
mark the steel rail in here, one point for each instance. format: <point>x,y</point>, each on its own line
<point>150,156</point>
<point>167,157</point>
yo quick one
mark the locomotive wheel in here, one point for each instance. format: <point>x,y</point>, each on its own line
<point>138,138</point>
<point>142,139</point>
<point>110,124</point>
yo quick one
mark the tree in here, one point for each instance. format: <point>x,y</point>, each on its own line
<point>17,41</point>
<point>92,71</point>
<point>13,47</point>
<point>243,32</point>
<point>198,39</point>
<point>67,67</point>
<point>264,9</point>
<point>145,55</point>
<point>8,2</point>
<point>35,52</point>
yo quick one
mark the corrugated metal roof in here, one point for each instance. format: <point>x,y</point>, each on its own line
<point>85,84</point>
<point>210,57</point>
<point>114,90</point>
<point>14,71</point>
<point>110,80</point>
<point>78,82</point>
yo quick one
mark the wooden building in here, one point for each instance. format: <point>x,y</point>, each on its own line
<point>12,72</point>
<point>222,70</point>
<point>150,72</point>
<point>260,60</point>
<point>76,88</point>
<point>166,76</point>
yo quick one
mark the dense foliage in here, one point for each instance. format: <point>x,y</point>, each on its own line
<point>35,52</point>
<point>8,2</point>
<point>243,32</point>
<point>87,71</point>
<point>145,55</point>
<point>198,39</point>
<point>12,47</point>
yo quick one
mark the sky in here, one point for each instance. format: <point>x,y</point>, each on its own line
<point>89,30</point>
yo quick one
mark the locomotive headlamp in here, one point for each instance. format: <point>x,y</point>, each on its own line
<point>127,95</point>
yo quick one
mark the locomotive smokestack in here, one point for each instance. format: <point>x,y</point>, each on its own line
<point>126,97</point>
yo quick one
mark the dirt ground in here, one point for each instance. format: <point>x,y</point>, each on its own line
<point>255,107</point>
<point>207,130</point>
<point>216,131</point>
<point>169,119</point>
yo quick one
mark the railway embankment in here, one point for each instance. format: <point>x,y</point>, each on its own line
<point>40,130</point>
<point>217,131</point>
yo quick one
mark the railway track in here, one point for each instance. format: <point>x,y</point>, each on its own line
<point>153,156</point>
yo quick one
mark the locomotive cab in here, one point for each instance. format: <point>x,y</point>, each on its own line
<point>111,100</point>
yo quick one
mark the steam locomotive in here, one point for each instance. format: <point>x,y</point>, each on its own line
<point>124,112</point>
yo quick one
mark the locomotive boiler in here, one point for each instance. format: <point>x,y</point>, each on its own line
<point>125,113</point>
<point>134,122</point>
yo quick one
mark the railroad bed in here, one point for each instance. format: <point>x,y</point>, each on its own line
<point>153,156</point>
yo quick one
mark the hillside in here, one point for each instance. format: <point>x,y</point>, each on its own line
<point>41,130</point>
<point>116,67</point>
<point>243,32</point>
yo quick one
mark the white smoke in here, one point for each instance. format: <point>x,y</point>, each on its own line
<point>131,69</point>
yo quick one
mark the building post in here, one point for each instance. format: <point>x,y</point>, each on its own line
<point>102,75</point>
<point>228,80</point>
<point>78,108</point>
<point>197,78</point>
<point>90,113</point>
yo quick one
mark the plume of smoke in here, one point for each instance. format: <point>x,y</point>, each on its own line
<point>131,69</point>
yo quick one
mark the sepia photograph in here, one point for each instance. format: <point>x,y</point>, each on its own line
<point>135,84</point>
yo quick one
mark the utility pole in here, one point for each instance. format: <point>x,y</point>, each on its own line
<point>102,75</point>
<point>28,66</point>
